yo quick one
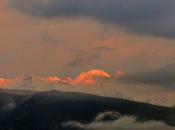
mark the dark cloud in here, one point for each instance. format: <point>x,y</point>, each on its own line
<point>83,57</point>
<point>164,76</point>
<point>103,48</point>
<point>152,17</point>
<point>48,39</point>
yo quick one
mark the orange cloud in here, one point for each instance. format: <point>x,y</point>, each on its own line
<point>119,73</point>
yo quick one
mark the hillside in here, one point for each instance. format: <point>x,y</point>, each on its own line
<point>49,110</point>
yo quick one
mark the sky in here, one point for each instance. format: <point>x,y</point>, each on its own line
<point>64,38</point>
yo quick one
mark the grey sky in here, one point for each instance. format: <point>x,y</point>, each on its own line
<point>164,76</point>
<point>155,18</point>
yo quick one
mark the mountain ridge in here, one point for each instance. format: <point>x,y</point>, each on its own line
<point>48,110</point>
<point>93,81</point>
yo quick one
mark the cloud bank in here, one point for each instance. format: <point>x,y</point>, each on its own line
<point>154,18</point>
<point>123,123</point>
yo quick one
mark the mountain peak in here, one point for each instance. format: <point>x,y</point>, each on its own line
<point>97,72</point>
<point>25,77</point>
<point>52,79</point>
<point>28,77</point>
<point>87,77</point>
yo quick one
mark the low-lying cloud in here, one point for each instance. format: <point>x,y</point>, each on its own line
<point>107,116</point>
<point>123,123</point>
<point>154,18</point>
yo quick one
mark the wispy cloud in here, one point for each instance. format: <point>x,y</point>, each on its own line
<point>103,48</point>
<point>48,39</point>
<point>82,57</point>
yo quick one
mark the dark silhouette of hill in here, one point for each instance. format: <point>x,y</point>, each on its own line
<point>10,99</point>
<point>48,110</point>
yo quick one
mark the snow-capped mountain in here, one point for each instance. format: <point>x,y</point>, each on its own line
<point>87,82</point>
<point>94,81</point>
<point>90,77</point>
<point>34,83</point>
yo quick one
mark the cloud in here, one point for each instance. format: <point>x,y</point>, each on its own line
<point>123,123</point>
<point>154,18</point>
<point>163,76</point>
<point>48,39</point>
<point>83,57</point>
<point>103,48</point>
<point>106,116</point>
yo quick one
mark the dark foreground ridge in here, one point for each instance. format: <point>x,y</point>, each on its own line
<point>48,110</point>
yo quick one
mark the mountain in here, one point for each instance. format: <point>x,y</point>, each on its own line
<point>53,109</point>
<point>84,82</point>
<point>88,77</point>
<point>11,99</point>
<point>34,83</point>
<point>94,81</point>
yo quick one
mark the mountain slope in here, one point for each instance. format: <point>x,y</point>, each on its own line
<point>86,78</point>
<point>48,110</point>
<point>34,83</point>
<point>96,82</point>
<point>11,99</point>
<point>85,82</point>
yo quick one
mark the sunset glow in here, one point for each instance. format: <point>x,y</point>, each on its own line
<point>99,46</point>
<point>87,77</point>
